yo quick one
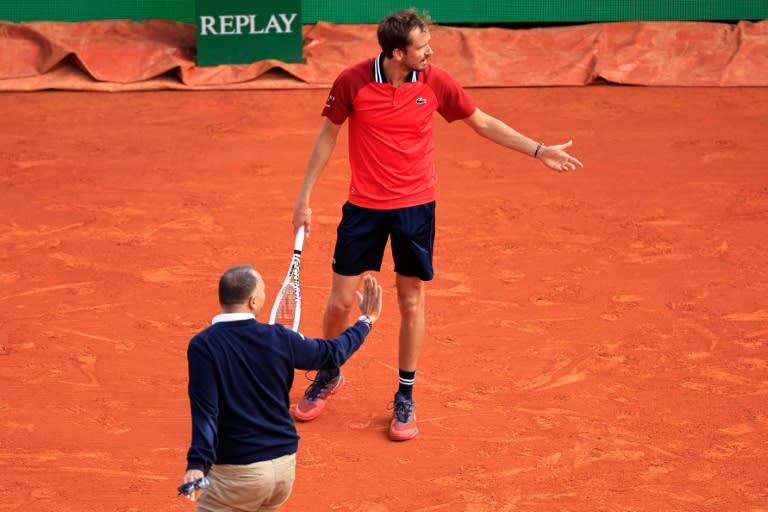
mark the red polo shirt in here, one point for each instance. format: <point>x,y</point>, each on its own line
<point>390,131</point>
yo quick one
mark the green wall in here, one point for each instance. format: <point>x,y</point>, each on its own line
<point>442,11</point>
<point>538,11</point>
<point>85,10</point>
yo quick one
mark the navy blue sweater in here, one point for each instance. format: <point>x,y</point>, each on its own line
<point>240,375</point>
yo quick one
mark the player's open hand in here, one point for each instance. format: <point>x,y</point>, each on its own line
<point>370,298</point>
<point>556,158</point>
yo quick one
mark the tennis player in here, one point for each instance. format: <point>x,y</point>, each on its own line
<point>240,375</point>
<point>389,101</point>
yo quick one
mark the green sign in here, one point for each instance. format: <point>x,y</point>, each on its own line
<point>244,31</point>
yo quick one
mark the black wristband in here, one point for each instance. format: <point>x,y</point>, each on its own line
<point>536,153</point>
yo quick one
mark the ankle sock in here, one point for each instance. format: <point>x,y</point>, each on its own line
<point>406,384</point>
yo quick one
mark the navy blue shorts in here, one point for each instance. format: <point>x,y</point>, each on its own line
<point>363,233</point>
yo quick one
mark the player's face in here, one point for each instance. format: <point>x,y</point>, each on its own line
<point>418,52</point>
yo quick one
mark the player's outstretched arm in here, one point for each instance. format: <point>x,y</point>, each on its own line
<point>499,132</point>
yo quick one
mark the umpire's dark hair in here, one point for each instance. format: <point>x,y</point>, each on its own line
<point>395,30</point>
<point>237,284</point>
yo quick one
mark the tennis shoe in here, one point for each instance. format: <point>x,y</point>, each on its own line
<point>403,426</point>
<point>317,394</point>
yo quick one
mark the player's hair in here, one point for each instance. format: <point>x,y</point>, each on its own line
<point>394,31</point>
<point>237,284</point>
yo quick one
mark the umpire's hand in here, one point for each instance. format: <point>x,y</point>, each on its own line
<point>370,299</point>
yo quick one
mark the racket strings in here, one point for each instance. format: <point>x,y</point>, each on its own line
<point>286,309</point>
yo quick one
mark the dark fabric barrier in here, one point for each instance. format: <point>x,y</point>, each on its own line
<point>160,54</point>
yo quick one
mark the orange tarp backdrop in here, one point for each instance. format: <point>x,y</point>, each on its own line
<point>160,54</point>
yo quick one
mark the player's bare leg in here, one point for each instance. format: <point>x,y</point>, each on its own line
<point>335,320</point>
<point>340,303</point>
<point>410,299</point>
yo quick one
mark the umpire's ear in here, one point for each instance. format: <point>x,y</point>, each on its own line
<point>258,297</point>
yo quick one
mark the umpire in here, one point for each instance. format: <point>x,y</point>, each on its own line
<point>240,375</point>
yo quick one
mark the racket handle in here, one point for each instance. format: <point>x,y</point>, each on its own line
<point>298,245</point>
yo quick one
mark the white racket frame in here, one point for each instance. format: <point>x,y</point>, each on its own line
<point>291,279</point>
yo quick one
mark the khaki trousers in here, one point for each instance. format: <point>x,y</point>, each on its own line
<point>262,486</point>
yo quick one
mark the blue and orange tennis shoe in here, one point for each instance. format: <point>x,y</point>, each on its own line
<point>317,394</point>
<point>403,426</point>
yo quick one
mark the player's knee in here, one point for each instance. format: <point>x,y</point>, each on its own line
<point>338,307</point>
<point>410,304</point>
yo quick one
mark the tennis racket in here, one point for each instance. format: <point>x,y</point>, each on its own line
<point>287,307</point>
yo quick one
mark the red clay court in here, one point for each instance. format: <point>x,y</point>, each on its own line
<point>597,341</point>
